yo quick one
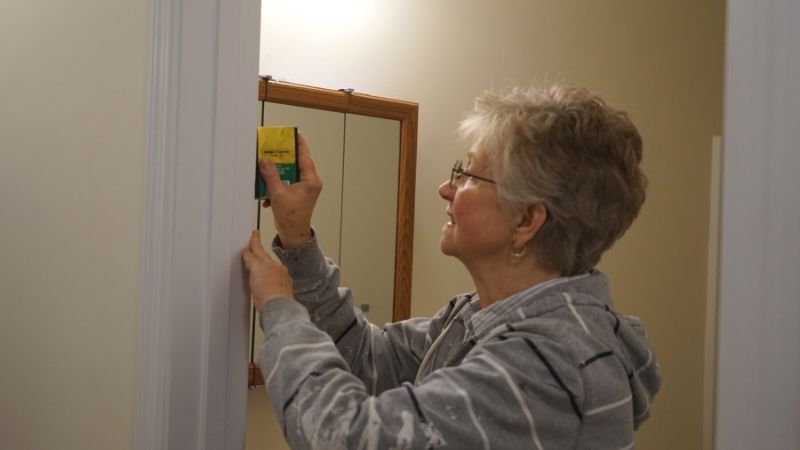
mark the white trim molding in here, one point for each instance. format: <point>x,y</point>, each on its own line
<point>199,164</point>
<point>153,359</point>
<point>758,360</point>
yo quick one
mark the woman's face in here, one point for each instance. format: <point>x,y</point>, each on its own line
<point>479,230</point>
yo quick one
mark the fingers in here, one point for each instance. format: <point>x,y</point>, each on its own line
<point>255,247</point>
<point>271,177</point>
<point>303,145</point>
<point>248,258</point>
<point>254,253</point>
<point>308,170</point>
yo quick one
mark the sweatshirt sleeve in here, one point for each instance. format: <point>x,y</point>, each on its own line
<point>381,357</point>
<point>500,396</point>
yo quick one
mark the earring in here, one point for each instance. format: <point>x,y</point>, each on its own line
<point>518,254</point>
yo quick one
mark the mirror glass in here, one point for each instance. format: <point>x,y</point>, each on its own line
<point>369,213</point>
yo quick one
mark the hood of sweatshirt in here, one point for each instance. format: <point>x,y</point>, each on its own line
<point>578,313</point>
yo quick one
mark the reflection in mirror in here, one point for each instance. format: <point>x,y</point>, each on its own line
<point>364,148</point>
<point>369,213</point>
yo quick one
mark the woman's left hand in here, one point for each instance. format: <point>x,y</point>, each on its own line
<point>268,278</point>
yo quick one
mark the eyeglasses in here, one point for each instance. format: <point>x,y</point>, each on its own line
<point>458,170</point>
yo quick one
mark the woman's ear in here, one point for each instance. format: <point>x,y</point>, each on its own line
<point>530,222</point>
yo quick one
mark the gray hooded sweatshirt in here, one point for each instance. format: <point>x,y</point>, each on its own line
<point>551,367</point>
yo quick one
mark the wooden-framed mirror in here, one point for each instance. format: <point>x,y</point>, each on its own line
<point>370,194</point>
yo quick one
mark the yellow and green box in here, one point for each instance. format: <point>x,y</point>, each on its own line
<point>279,144</point>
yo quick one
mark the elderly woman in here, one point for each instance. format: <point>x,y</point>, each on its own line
<point>535,357</point>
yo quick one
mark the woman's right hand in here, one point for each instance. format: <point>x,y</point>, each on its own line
<point>293,205</point>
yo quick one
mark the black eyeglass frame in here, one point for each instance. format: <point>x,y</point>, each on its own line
<point>458,170</point>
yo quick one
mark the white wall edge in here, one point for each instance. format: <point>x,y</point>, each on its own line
<point>202,110</point>
<point>712,298</point>
<point>758,358</point>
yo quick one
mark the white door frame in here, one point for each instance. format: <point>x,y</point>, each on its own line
<point>199,164</point>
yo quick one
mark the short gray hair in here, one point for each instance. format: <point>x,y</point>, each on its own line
<point>564,147</point>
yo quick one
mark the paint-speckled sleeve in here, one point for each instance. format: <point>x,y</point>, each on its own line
<point>382,357</point>
<point>500,396</point>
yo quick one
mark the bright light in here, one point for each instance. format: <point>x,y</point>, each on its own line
<point>318,15</point>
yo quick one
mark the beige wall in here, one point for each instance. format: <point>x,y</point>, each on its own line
<point>661,61</point>
<point>72,115</point>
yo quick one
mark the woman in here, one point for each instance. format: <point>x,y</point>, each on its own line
<point>534,358</point>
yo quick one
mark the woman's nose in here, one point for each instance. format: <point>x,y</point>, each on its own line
<point>446,190</point>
